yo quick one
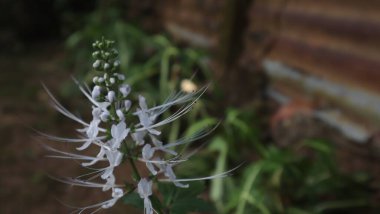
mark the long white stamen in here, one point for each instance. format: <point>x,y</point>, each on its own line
<point>82,183</point>
<point>59,107</point>
<point>220,175</point>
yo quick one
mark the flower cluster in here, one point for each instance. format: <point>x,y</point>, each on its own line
<point>120,133</point>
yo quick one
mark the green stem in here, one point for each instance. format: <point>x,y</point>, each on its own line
<point>135,171</point>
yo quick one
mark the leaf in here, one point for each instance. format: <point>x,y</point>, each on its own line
<point>198,126</point>
<point>187,205</point>
<point>253,172</point>
<point>167,191</point>
<point>319,145</point>
<point>134,199</point>
<point>195,188</point>
<point>220,145</point>
<point>295,210</point>
<point>171,193</point>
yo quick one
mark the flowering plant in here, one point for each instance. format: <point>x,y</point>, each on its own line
<point>124,132</point>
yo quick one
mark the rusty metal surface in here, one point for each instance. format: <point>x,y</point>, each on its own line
<point>196,22</point>
<point>333,41</point>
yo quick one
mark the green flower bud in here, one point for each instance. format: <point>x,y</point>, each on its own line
<point>96,64</point>
<point>107,66</point>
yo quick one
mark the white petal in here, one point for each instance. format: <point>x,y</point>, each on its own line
<point>142,103</point>
<point>147,152</point>
<point>144,188</point>
<point>138,137</point>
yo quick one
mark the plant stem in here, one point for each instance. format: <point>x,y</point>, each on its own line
<point>135,171</point>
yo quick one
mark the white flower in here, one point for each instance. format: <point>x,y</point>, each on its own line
<point>125,90</point>
<point>93,130</point>
<point>118,132</point>
<point>144,188</point>
<point>145,117</point>
<point>114,158</point>
<point>168,172</point>
<point>92,133</point>
<point>147,154</point>
<point>117,193</point>
<point>138,137</point>
<point>159,146</point>
<point>96,112</point>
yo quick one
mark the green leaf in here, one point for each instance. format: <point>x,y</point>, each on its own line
<point>167,191</point>
<point>295,210</point>
<point>186,205</point>
<point>134,199</point>
<point>319,145</point>
<point>193,191</point>
<point>198,126</point>
<point>172,194</point>
<point>220,145</point>
<point>253,172</point>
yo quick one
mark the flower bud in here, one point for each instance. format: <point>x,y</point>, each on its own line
<point>111,96</point>
<point>114,52</point>
<point>112,80</point>
<point>95,54</point>
<point>117,193</point>
<point>101,79</point>
<point>124,90</point>
<point>96,64</point>
<point>106,66</point>
<point>188,86</point>
<point>96,92</point>
<point>120,114</point>
<point>121,77</point>
<point>127,105</point>
<point>95,79</point>
<point>104,116</point>
<point>116,63</point>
